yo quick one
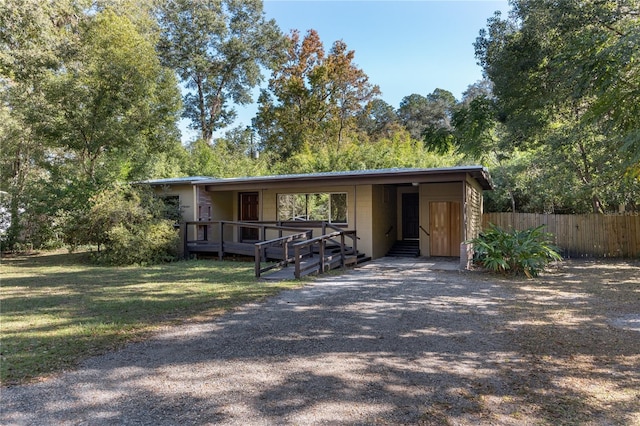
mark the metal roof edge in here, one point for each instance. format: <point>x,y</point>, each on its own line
<point>480,173</point>
<point>175,181</point>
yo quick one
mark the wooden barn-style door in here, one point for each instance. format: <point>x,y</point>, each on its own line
<point>249,212</point>
<point>445,228</point>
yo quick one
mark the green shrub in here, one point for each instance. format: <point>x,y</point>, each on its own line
<point>128,225</point>
<point>514,252</point>
<point>145,244</point>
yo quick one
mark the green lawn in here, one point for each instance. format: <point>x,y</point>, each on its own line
<point>56,309</point>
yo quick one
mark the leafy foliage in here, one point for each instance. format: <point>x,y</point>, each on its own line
<point>565,79</point>
<point>89,97</point>
<point>313,99</point>
<point>217,48</point>
<point>129,226</point>
<point>514,252</point>
<point>87,104</point>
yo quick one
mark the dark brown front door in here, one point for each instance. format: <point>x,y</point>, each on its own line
<point>410,216</point>
<point>249,212</point>
<point>444,228</point>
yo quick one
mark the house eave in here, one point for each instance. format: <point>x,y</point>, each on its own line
<point>380,177</point>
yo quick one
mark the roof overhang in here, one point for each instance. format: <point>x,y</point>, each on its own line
<point>188,180</point>
<point>358,177</point>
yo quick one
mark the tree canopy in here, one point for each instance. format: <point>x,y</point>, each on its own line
<point>92,93</point>
<point>313,98</point>
<point>566,82</point>
<point>217,48</point>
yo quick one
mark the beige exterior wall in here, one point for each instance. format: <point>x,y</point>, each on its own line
<point>222,209</point>
<point>383,219</point>
<point>188,203</point>
<point>363,218</point>
<point>223,205</point>
<point>436,192</point>
<point>187,194</point>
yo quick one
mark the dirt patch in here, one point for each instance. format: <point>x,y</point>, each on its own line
<point>577,331</point>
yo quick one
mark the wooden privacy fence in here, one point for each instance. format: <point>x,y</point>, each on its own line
<point>588,235</point>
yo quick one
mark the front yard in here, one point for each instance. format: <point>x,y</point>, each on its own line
<point>56,308</point>
<point>578,329</point>
<point>571,337</point>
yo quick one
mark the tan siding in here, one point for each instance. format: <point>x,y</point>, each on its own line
<point>187,195</point>
<point>187,198</point>
<point>384,218</point>
<point>364,220</point>
<point>473,209</point>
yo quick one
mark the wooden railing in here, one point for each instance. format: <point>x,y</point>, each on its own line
<point>274,249</point>
<point>279,249</point>
<point>350,234</point>
<point>224,237</point>
<point>323,261</point>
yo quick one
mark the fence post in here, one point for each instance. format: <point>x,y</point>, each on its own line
<point>185,246</point>
<point>221,240</point>
<point>296,273</point>
<point>257,256</point>
<point>342,252</point>
<point>286,252</point>
<point>321,250</point>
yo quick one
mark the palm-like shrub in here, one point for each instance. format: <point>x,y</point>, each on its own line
<point>514,252</point>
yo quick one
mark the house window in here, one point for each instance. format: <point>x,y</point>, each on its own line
<point>320,207</point>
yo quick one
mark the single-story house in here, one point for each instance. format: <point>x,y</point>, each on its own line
<point>437,209</point>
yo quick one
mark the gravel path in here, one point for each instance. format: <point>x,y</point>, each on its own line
<point>381,344</point>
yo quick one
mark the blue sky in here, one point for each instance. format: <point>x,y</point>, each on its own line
<point>404,47</point>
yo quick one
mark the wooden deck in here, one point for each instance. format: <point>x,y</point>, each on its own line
<point>290,252</point>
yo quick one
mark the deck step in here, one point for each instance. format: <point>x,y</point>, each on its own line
<point>405,248</point>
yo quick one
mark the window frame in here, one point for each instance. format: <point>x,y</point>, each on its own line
<point>296,218</point>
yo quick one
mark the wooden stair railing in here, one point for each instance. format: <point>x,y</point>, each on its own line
<point>323,261</point>
<point>261,248</point>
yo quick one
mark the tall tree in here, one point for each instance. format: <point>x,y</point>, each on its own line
<point>34,37</point>
<point>428,118</point>
<point>379,120</point>
<point>413,113</point>
<point>113,104</point>
<point>293,107</point>
<point>349,88</point>
<point>566,79</point>
<point>312,98</point>
<point>217,48</point>
<point>438,129</point>
<point>87,101</point>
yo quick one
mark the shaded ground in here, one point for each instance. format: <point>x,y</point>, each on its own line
<point>384,344</point>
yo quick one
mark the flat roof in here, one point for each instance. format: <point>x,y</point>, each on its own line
<point>177,181</point>
<point>380,176</point>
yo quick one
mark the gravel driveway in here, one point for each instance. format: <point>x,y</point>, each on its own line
<point>392,342</point>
